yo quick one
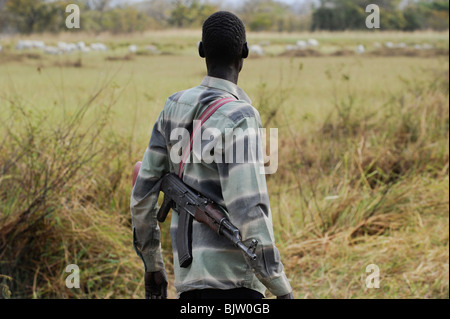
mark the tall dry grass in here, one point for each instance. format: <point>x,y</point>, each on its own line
<point>368,185</point>
<point>59,202</point>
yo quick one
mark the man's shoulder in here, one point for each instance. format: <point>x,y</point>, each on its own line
<point>188,96</point>
<point>238,110</point>
<point>230,114</point>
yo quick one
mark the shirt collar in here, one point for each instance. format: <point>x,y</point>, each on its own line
<point>227,86</point>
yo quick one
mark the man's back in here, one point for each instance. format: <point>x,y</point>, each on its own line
<point>225,165</point>
<point>217,263</point>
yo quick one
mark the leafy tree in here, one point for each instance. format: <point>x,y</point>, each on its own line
<point>393,20</point>
<point>36,15</point>
<point>190,13</point>
<point>24,13</point>
<point>435,14</point>
<point>158,12</point>
<point>427,15</point>
<point>124,20</point>
<point>261,15</point>
<point>339,15</point>
<point>413,18</point>
<point>261,21</point>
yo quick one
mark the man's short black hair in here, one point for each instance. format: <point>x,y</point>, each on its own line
<point>223,37</point>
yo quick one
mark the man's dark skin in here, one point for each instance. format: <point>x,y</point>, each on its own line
<point>220,69</point>
<point>156,282</point>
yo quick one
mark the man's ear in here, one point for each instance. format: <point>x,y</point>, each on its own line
<point>201,50</point>
<point>245,51</point>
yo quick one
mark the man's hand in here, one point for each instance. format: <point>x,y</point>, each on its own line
<point>156,285</point>
<point>288,296</point>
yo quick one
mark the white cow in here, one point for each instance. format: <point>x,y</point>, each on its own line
<point>70,47</point>
<point>256,49</point>
<point>67,47</point>
<point>38,44</point>
<point>313,43</point>
<point>360,49</point>
<point>98,47</point>
<point>52,50</point>
<point>291,47</point>
<point>133,48</point>
<point>152,49</point>
<point>29,45</point>
<point>301,44</point>
<point>81,45</point>
<point>24,45</point>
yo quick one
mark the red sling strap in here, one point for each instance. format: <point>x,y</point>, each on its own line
<point>205,115</point>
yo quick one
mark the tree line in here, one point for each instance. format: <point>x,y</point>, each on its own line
<point>351,15</point>
<point>30,16</point>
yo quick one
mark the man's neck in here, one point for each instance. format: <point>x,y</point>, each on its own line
<point>229,73</point>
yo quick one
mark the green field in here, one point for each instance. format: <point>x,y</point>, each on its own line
<point>362,177</point>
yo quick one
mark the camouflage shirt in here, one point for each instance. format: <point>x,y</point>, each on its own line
<point>237,186</point>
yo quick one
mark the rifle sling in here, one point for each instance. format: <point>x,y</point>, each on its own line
<point>184,231</point>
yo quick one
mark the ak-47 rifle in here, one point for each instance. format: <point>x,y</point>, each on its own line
<point>192,205</point>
